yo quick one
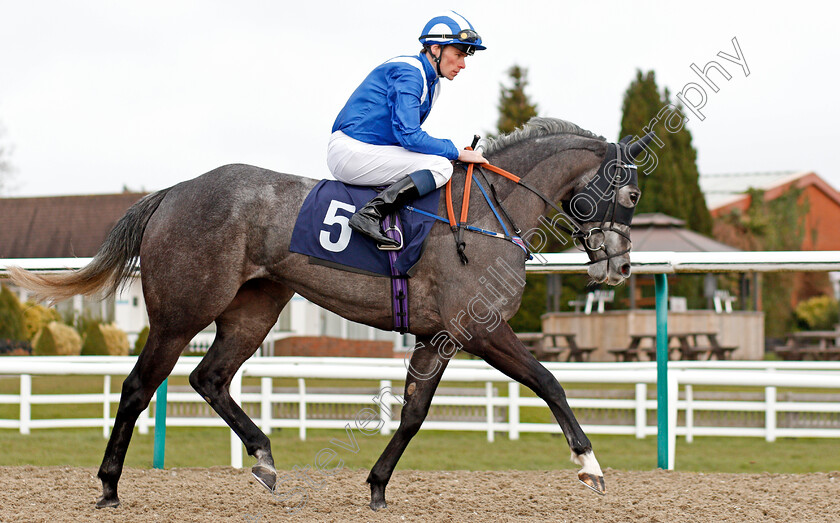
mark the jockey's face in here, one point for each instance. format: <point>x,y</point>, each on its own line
<point>452,61</point>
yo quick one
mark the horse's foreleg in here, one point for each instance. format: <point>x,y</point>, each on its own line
<point>425,371</point>
<point>239,331</point>
<point>503,350</point>
<point>152,367</point>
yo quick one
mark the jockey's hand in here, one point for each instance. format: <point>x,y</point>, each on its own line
<point>467,156</point>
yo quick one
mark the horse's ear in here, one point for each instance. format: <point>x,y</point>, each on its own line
<point>637,146</point>
<point>626,139</point>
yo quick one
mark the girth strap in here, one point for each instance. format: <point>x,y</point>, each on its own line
<point>399,283</point>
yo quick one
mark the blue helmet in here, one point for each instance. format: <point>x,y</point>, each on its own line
<point>450,28</point>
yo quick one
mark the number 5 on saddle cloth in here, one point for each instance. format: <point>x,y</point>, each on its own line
<point>323,233</point>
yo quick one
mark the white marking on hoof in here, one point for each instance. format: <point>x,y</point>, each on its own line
<point>588,462</point>
<point>590,473</point>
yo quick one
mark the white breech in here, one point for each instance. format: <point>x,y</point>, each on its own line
<point>359,163</point>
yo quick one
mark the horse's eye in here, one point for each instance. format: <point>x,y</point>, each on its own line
<point>634,197</point>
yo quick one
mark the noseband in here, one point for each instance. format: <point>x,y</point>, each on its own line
<point>591,202</point>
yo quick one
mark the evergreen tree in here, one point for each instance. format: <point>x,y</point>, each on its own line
<point>5,163</point>
<point>515,108</point>
<point>673,187</point>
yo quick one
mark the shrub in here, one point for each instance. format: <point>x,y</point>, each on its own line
<point>82,322</point>
<point>104,340</point>
<point>11,316</point>
<point>57,339</point>
<point>142,337</point>
<point>817,313</point>
<point>15,348</point>
<point>36,316</point>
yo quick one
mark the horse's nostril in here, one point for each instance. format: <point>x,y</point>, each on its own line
<point>625,269</point>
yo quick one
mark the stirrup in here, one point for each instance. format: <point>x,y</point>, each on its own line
<point>391,247</point>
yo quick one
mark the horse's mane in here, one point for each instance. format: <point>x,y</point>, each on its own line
<point>537,127</point>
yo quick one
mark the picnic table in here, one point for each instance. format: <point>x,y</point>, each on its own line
<point>688,346</point>
<point>552,346</point>
<point>811,345</point>
<point>637,348</point>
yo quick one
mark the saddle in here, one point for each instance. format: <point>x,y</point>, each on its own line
<point>322,232</point>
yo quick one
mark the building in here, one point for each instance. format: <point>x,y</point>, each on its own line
<point>726,193</point>
<point>75,226</point>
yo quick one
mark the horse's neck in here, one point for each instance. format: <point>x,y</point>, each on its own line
<point>523,205</point>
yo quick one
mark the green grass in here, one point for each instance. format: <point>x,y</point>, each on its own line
<point>430,450</point>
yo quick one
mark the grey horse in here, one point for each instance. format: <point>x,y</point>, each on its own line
<point>216,249</point>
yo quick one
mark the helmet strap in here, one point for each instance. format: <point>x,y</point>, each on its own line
<point>436,59</point>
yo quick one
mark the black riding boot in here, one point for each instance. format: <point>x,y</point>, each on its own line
<point>368,219</point>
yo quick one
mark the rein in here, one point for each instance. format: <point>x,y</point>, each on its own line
<point>576,233</point>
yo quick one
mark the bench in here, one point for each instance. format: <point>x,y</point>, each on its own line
<point>627,353</point>
<point>694,352</point>
<point>550,349</point>
<point>722,353</point>
<point>576,352</point>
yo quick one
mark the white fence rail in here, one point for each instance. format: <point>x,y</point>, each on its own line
<point>668,262</point>
<point>766,376</point>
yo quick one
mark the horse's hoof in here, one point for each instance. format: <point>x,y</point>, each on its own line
<point>594,482</point>
<point>108,503</point>
<point>377,495</point>
<point>265,476</point>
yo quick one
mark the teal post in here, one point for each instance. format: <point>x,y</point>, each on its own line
<point>160,426</point>
<point>661,282</point>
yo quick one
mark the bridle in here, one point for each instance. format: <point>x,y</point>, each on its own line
<point>611,211</point>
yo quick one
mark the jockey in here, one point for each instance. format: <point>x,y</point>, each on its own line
<point>376,138</point>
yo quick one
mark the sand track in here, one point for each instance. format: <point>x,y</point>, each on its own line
<point>57,494</point>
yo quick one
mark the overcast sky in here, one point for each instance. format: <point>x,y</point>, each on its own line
<point>99,95</point>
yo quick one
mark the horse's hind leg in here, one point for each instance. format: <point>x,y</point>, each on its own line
<point>239,331</point>
<point>425,371</point>
<point>153,366</point>
<point>503,350</point>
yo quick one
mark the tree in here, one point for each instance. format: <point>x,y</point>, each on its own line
<point>5,162</point>
<point>673,187</point>
<point>515,108</point>
<point>773,225</point>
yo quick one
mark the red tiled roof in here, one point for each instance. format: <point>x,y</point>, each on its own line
<point>59,226</point>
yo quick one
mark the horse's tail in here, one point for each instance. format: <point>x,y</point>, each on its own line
<point>111,267</point>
